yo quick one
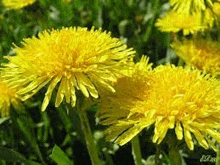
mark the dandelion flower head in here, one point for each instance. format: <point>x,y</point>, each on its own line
<point>8,97</point>
<point>67,1</point>
<point>69,59</point>
<point>216,10</point>
<point>17,4</point>
<point>175,22</point>
<point>190,6</point>
<point>203,54</point>
<point>167,97</point>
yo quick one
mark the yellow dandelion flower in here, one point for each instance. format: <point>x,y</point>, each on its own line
<point>67,1</point>
<point>175,22</point>
<point>202,54</point>
<point>71,58</point>
<point>17,4</point>
<point>8,97</point>
<point>190,6</point>
<point>168,97</point>
<point>216,9</point>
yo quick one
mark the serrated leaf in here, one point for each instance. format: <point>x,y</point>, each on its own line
<point>60,157</point>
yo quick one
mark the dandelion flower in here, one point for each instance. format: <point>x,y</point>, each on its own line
<point>70,58</point>
<point>17,4</point>
<point>190,6</point>
<point>8,97</point>
<point>168,97</point>
<point>216,9</point>
<point>67,1</point>
<point>175,22</point>
<point>203,54</point>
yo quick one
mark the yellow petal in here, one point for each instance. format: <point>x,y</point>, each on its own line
<point>200,138</point>
<point>129,134</point>
<point>90,87</point>
<point>171,122</point>
<point>179,131</point>
<point>81,85</point>
<point>60,94</point>
<point>188,138</point>
<point>48,94</point>
<point>67,90</point>
<point>162,134</point>
<point>33,85</point>
<point>27,96</point>
<point>72,91</point>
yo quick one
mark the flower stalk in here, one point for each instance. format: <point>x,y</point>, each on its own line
<point>218,156</point>
<point>85,126</point>
<point>175,155</point>
<point>136,151</point>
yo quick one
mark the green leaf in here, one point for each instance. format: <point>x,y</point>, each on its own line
<point>14,156</point>
<point>26,127</point>
<point>34,163</point>
<point>60,157</point>
<point>3,119</point>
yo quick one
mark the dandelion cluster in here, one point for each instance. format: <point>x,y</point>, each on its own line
<point>70,58</point>
<point>203,54</point>
<point>17,4</point>
<point>166,97</point>
<point>188,15</point>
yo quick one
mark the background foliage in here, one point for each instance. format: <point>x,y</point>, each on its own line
<point>31,136</point>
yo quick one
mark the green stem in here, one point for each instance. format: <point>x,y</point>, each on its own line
<point>93,153</point>
<point>157,156</point>
<point>218,156</point>
<point>180,62</point>
<point>175,155</point>
<point>151,23</point>
<point>136,152</point>
<point>108,157</point>
<point>173,145</point>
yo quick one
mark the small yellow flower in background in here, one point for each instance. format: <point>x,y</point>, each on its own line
<point>190,6</point>
<point>175,22</point>
<point>70,58</point>
<point>8,97</point>
<point>17,4</point>
<point>203,54</point>
<point>216,9</point>
<point>167,97</point>
<point>67,1</point>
